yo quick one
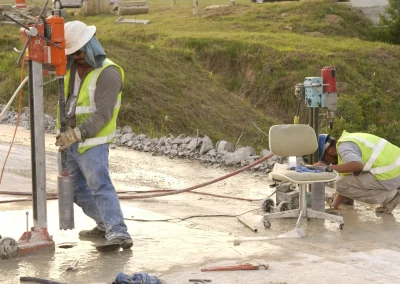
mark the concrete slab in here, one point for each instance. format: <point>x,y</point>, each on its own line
<point>122,20</point>
<point>366,251</point>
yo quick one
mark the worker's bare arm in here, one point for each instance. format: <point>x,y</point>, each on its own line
<point>349,167</point>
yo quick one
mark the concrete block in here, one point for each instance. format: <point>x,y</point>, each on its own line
<point>132,10</point>
<point>96,7</point>
<point>207,145</point>
<point>369,3</point>
<point>224,146</point>
<point>134,4</point>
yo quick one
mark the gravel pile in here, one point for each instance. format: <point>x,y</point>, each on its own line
<point>202,149</point>
<point>10,117</point>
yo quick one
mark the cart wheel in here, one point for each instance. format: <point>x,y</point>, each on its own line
<point>8,248</point>
<point>284,206</point>
<point>341,226</point>
<point>266,204</point>
<point>267,224</point>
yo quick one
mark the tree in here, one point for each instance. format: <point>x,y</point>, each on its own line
<point>390,23</point>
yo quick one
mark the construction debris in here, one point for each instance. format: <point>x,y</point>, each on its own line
<point>130,8</point>
<point>73,266</point>
<point>195,148</point>
<point>241,220</point>
<point>121,20</point>
<point>244,266</point>
<point>39,280</point>
<point>96,7</point>
<point>24,16</point>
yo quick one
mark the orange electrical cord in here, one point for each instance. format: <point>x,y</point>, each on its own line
<point>16,124</point>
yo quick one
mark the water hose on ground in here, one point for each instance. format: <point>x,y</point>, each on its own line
<point>190,217</point>
<point>18,90</point>
<point>202,184</point>
<point>159,193</point>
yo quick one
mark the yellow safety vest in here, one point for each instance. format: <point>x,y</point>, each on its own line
<point>85,107</point>
<point>380,157</point>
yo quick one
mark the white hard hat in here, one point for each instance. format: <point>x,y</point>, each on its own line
<point>77,34</point>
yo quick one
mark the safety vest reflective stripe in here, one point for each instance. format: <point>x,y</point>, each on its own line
<point>97,140</point>
<point>380,157</point>
<point>377,150</point>
<point>92,108</point>
<point>385,169</point>
<point>92,88</point>
<point>365,141</point>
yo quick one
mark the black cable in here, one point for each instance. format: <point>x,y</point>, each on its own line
<point>39,280</point>
<point>192,216</point>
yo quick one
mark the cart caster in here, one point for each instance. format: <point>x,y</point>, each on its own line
<point>284,206</point>
<point>341,226</point>
<point>266,204</point>
<point>8,248</point>
<point>267,224</point>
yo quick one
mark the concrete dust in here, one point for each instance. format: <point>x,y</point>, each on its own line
<point>366,251</point>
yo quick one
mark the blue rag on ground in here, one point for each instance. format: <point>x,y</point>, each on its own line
<point>137,278</point>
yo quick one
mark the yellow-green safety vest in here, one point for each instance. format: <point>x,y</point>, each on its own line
<point>380,157</point>
<point>85,107</point>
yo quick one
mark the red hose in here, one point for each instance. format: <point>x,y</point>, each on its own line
<point>202,184</point>
<point>159,193</point>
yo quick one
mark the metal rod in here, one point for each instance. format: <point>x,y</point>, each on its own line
<point>63,123</point>
<point>22,54</point>
<point>247,224</point>
<point>299,219</point>
<point>41,13</point>
<point>313,120</point>
<point>27,224</point>
<point>15,21</point>
<point>49,41</point>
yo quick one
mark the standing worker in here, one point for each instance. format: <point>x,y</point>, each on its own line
<point>369,167</point>
<point>93,86</point>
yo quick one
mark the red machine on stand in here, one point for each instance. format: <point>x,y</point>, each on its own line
<point>44,47</point>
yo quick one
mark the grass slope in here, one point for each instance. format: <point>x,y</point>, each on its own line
<point>229,69</point>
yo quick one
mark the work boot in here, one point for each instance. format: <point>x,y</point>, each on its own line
<point>389,207</point>
<point>348,201</point>
<point>93,233</point>
<point>114,245</point>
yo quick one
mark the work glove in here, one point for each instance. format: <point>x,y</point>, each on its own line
<point>67,138</point>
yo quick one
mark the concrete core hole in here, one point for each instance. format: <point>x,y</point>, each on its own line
<point>66,246</point>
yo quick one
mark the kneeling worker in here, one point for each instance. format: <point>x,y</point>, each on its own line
<point>93,86</point>
<point>369,168</point>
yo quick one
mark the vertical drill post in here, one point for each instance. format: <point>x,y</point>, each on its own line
<point>37,144</point>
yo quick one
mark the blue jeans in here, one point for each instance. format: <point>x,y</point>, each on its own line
<point>94,191</point>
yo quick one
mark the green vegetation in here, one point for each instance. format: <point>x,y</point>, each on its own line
<point>229,69</point>
<point>390,23</point>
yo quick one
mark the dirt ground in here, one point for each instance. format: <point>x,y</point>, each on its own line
<point>366,251</point>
